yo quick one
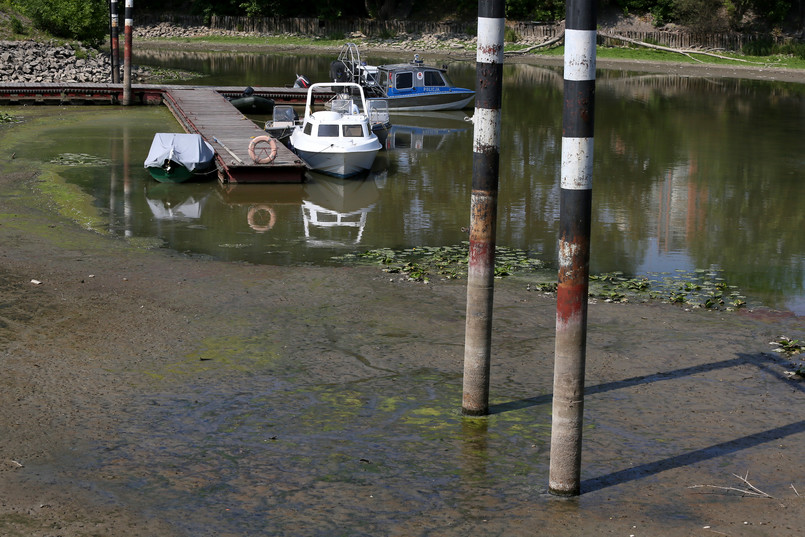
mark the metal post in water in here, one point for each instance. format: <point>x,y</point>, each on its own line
<point>127,53</point>
<point>483,207</point>
<point>115,42</point>
<point>575,209</point>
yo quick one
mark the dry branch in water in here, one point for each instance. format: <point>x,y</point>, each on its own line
<point>751,490</point>
<point>684,52</point>
<point>544,44</point>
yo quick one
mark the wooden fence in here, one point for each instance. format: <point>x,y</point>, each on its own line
<point>527,31</point>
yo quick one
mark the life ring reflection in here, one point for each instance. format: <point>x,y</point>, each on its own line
<point>266,155</point>
<point>261,218</point>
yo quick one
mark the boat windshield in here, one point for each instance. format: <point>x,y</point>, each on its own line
<point>328,131</point>
<point>446,77</point>
<point>344,106</point>
<point>434,78</point>
<point>353,131</point>
<point>404,80</point>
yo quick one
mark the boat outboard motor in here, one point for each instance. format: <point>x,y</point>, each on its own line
<point>248,91</point>
<point>301,82</point>
<point>339,72</point>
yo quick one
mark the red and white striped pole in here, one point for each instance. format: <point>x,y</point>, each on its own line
<point>115,41</point>
<point>483,210</point>
<point>575,210</point>
<point>127,52</point>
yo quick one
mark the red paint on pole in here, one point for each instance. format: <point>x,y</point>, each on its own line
<point>127,53</point>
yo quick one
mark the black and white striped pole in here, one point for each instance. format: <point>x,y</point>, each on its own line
<point>115,41</point>
<point>575,210</point>
<point>483,207</point>
<point>127,52</point>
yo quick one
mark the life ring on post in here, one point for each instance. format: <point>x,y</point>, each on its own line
<point>266,155</point>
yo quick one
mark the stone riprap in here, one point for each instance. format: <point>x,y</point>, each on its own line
<point>30,61</point>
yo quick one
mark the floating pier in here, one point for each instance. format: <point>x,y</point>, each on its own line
<point>206,112</point>
<point>200,110</point>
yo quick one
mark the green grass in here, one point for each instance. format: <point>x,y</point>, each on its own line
<point>623,53</point>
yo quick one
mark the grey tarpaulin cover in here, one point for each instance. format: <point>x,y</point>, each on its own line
<point>189,150</point>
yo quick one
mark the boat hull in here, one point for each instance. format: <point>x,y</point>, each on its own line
<point>339,164</point>
<point>446,100</point>
<point>176,173</point>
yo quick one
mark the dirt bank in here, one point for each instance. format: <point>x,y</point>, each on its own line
<point>149,393</point>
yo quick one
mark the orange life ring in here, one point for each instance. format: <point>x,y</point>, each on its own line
<point>256,218</point>
<point>266,156</point>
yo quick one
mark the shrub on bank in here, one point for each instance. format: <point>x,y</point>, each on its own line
<point>82,20</point>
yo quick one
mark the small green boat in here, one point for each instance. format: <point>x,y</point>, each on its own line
<point>176,158</point>
<point>251,103</point>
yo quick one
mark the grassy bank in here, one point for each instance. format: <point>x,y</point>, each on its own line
<point>213,43</point>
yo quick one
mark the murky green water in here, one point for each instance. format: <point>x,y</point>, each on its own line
<point>690,173</point>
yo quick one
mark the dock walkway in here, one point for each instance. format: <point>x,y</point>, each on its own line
<point>206,112</point>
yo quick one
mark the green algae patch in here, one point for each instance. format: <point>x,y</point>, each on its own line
<point>235,354</point>
<point>69,200</point>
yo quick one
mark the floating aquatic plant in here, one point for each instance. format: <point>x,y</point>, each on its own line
<point>447,262</point>
<point>787,346</point>
<point>790,347</point>
<point>697,289</point>
<point>700,288</point>
<point>80,159</point>
<point>8,118</point>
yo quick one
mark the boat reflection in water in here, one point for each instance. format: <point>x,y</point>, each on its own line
<point>335,210</point>
<point>425,131</point>
<point>175,202</point>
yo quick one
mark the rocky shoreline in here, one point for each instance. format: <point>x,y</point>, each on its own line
<point>31,61</point>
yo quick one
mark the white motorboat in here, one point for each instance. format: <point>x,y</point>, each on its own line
<point>338,141</point>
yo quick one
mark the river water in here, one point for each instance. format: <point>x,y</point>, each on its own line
<point>692,176</point>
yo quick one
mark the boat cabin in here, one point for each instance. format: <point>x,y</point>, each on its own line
<point>329,124</point>
<point>412,78</point>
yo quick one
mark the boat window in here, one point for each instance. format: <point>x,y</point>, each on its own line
<point>404,80</point>
<point>353,131</point>
<point>308,128</point>
<point>434,78</point>
<point>328,131</point>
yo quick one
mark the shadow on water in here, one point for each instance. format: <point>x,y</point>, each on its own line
<point>686,459</point>
<point>773,365</point>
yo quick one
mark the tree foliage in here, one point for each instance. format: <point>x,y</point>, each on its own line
<point>88,20</point>
<point>83,20</point>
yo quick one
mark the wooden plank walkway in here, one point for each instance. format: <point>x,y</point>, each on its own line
<point>208,113</point>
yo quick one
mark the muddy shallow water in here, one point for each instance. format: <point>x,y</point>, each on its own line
<point>149,393</point>
<point>146,393</point>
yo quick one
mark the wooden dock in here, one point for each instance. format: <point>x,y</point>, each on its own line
<point>199,109</point>
<point>206,112</point>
